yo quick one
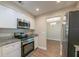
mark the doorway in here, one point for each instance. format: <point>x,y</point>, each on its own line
<point>54,36</point>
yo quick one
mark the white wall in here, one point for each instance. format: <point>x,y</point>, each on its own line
<point>41,24</point>
<point>41,31</point>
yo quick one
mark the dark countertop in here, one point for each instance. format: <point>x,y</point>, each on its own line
<point>31,36</point>
<point>8,41</point>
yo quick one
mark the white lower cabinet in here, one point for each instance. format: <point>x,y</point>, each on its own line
<point>35,42</point>
<point>12,50</point>
<point>15,53</point>
<point>0,51</point>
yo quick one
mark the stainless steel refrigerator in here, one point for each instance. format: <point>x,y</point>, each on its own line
<point>71,33</point>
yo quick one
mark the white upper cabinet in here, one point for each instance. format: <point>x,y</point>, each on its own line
<point>7,18</point>
<point>28,19</point>
<point>0,51</point>
<point>22,16</point>
<point>32,23</point>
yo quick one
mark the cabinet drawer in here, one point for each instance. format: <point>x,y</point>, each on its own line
<point>16,53</point>
<point>11,47</point>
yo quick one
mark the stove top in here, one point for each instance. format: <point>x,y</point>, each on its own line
<point>26,41</point>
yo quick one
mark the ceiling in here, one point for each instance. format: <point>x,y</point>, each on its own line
<point>44,6</point>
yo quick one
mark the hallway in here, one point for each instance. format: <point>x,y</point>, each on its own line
<point>53,50</point>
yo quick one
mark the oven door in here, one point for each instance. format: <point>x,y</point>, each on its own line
<point>27,48</point>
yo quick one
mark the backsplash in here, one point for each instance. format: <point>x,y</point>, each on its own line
<point>5,34</point>
<point>9,32</point>
<point>12,30</point>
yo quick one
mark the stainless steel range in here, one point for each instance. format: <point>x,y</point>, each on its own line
<point>27,44</point>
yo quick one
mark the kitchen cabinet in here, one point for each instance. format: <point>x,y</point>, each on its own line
<point>22,16</point>
<point>36,42</point>
<point>7,18</point>
<point>28,19</point>
<point>0,51</point>
<point>32,24</point>
<point>14,54</point>
<point>11,50</point>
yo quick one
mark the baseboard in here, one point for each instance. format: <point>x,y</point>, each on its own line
<point>44,48</point>
<point>54,39</point>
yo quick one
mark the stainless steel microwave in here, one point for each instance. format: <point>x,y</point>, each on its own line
<point>23,24</point>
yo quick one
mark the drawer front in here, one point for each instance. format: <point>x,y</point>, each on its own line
<point>11,47</point>
<point>16,53</point>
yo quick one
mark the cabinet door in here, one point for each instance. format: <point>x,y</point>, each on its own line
<point>13,49</point>
<point>0,51</point>
<point>7,18</point>
<point>32,23</point>
<point>15,53</point>
<point>35,42</point>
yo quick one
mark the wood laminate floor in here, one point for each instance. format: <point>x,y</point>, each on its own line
<point>53,50</point>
